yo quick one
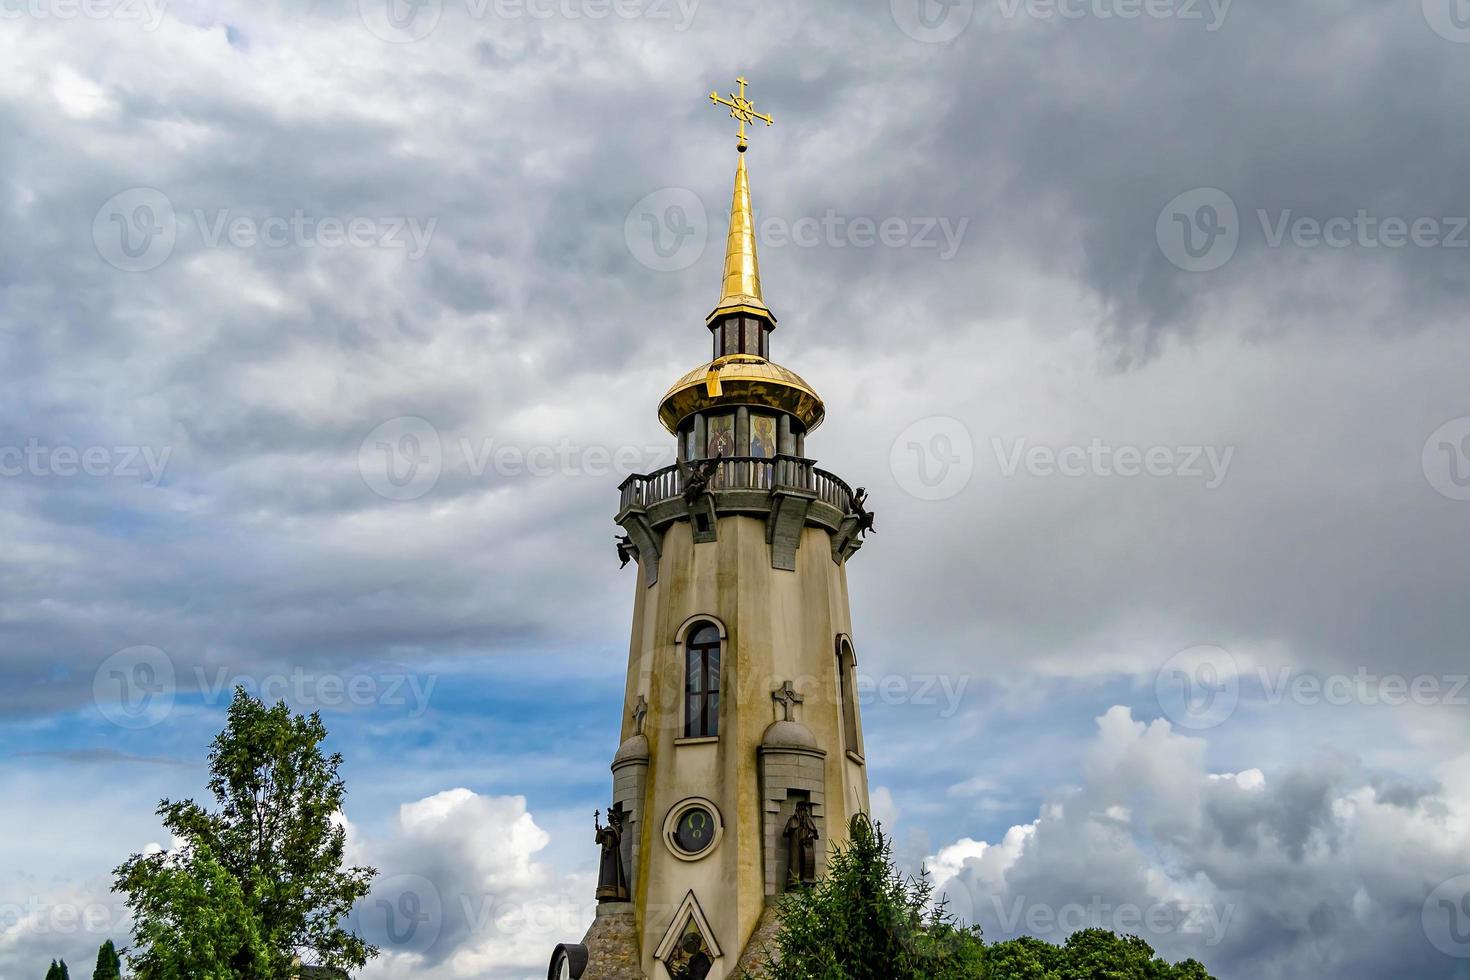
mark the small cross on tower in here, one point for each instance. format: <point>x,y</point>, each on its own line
<point>742,109</point>
<point>787,698</point>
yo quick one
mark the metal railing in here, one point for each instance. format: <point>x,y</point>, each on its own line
<point>741,473</point>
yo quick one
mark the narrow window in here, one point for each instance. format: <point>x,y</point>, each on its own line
<point>846,675</point>
<point>752,341</point>
<point>702,682</point>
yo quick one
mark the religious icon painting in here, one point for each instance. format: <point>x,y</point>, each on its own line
<point>721,444</point>
<point>691,957</point>
<point>763,436</point>
<point>722,436</point>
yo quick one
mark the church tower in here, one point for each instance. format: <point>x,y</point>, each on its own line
<point>741,755</point>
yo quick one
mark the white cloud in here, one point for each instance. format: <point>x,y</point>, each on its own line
<point>1333,870</point>
<point>461,892</point>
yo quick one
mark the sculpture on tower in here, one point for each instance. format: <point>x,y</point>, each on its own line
<point>612,879</point>
<point>801,847</point>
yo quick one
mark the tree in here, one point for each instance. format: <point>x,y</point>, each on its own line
<point>259,880</point>
<point>57,971</point>
<point>864,921</point>
<point>109,965</point>
<point>1091,954</point>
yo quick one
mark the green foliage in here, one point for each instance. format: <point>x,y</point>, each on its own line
<point>58,971</point>
<point>259,880</point>
<point>109,964</point>
<point>1092,954</point>
<point>864,921</point>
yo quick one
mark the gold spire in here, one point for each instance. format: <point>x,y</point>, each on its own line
<point>740,291</point>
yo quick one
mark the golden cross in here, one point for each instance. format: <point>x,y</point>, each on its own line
<point>742,109</point>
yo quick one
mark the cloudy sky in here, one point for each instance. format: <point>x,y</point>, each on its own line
<point>328,329</point>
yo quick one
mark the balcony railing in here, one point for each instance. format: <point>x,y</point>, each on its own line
<point>741,473</point>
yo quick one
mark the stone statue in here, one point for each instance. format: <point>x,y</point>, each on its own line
<point>801,847</point>
<point>859,507</point>
<point>626,551</point>
<point>697,477</point>
<point>612,879</point>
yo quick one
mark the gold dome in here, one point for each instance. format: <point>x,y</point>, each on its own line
<point>741,379</point>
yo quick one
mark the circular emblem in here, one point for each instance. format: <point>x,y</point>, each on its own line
<point>695,831</point>
<point>692,829</point>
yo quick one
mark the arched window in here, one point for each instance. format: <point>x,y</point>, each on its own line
<point>702,682</point>
<point>847,696</point>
